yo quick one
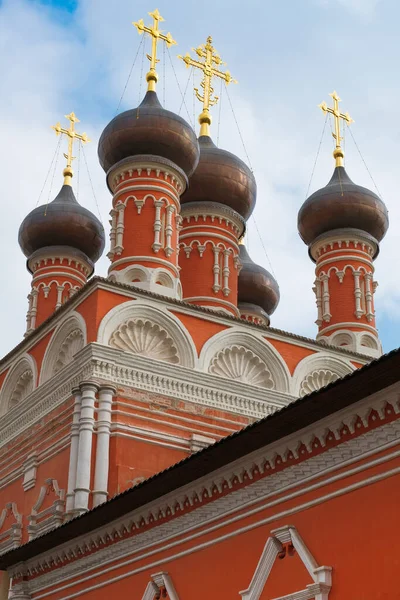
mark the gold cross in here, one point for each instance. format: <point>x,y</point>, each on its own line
<point>211,58</point>
<point>72,134</point>
<point>156,35</point>
<point>338,153</point>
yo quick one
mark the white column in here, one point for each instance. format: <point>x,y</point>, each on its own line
<point>119,232</point>
<point>326,315</point>
<point>317,291</point>
<point>168,231</point>
<point>73,453</point>
<point>86,425</point>
<point>157,225</point>
<point>34,309</point>
<point>357,293</point>
<point>100,492</point>
<point>216,270</point>
<point>225,274</point>
<point>60,289</point>
<point>113,230</point>
<point>368,296</point>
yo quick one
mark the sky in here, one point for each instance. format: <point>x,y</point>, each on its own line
<point>58,56</point>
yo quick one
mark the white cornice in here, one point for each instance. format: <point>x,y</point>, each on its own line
<point>214,317</point>
<point>106,365</point>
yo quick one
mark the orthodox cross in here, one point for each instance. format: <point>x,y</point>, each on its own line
<point>156,35</point>
<point>337,115</point>
<point>211,61</point>
<point>72,134</point>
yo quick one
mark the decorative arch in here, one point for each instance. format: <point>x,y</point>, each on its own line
<point>285,541</point>
<point>368,340</point>
<point>243,357</point>
<point>318,370</point>
<point>344,338</point>
<point>142,329</point>
<point>68,338</point>
<point>20,381</point>
<point>49,509</point>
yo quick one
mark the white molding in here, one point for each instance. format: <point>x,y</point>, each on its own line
<point>321,576</point>
<point>258,345</point>
<point>70,322</point>
<point>156,314</point>
<point>41,521</point>
<point>23,364</point>
<point>137,260</point>
<point>322,361</point>
<point>157,583</point>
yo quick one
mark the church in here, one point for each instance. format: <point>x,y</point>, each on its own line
<point>159,438</point>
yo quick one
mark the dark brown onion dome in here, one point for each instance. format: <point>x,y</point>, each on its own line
<point>222,177</point>
<point>63,222</point>
<point>342,205</point>
<point>256,286</point>
<point>149,129</point>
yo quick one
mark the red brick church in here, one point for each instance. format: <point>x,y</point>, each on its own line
<point>159,439</point>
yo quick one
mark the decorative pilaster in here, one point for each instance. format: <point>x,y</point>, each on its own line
<point>144,236</point>
<point>344,290</point>
<point>100,492</point>
<point>73,455</point>
<point>86,426</point>
<point>210,259</point>
<point>57,273</point>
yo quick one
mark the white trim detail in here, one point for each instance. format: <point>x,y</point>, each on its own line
<point>41,521</point>
<point>69,337</point>
<point>135,310</point>
<point>329,367</point>
<point>86,426</point>
<point>19,383</point>
<point>10,538</point>
<point>259,346</point>
<point>159,583</point>
<point>281,539</point>
<point>100,492</point>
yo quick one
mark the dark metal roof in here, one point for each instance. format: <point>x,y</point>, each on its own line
<point>340,394</point>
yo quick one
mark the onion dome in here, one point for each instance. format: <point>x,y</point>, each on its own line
<point>149,129</point>
<point>222,177</point>
<point>63,222</point>
<point>258,290</point>
<point>342,204</point>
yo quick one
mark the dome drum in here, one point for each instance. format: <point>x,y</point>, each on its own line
<point>215,210</point>
<point>341,236</point>
<point>60,252</point>
<point>253,313</point>
<point>142,164</point>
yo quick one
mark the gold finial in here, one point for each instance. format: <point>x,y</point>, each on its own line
<point>156,35</point>
<point>338,153</point>
<point>211,58</point>
<point>72,134</point>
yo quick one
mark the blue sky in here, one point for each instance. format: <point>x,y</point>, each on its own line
<point>57,56</point>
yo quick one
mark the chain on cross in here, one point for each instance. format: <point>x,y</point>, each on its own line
<point>72,135</point>
<point>338,153</point>
<point>156,35</point>
<point>212,60</point>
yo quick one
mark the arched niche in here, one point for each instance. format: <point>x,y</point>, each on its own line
<point>318,370</point>
<point>20,381</point>
<point>241,356</point>
<point>148,331</point>
<point>68,338</point>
